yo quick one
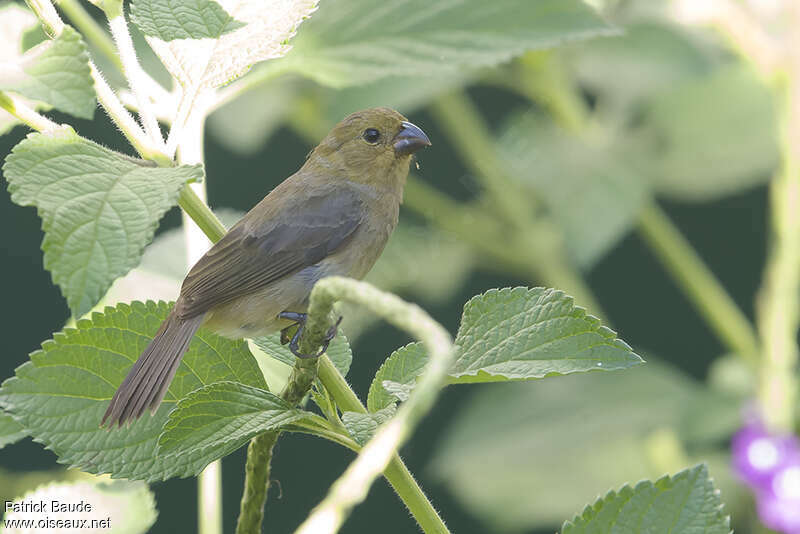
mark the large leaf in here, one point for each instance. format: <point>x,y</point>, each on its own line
<point>584,182</point>
<point>358,41</point>
<point>512,334</point>
<point>597,428</point>
<point>521,333</point>
<point>268,25</point>
<point>183,19</point>
<point>99,208</point>
<point>686,502</point>
<point>217,419</point>
<point>55,72</point>
<point>60,395</point>
<point>120,507</point>
<point>10,430</point>
<point>696,145</point>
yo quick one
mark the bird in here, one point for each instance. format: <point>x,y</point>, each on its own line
<point>332,217</point>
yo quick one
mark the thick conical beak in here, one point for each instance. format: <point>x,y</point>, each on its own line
<point>409,139</point>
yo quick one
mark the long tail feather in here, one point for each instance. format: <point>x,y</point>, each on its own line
<point>149,378</point>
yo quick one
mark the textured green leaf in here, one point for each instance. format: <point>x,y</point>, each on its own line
<point>339,351</point>
<point>403,367</point>
<point>692,143</point>
<point>182,19</point>
<point>362,426</point>
<point>351,42</point>
<point>592,427</point>
<point>131,505</point>
<point>217,419</point>
<point>587,187</point>
<point>61,394</point>
<point>55,72</point>
<point>10,430</point>
<point>686,503</point>
<point>99,208</point>
<point>521,333</point>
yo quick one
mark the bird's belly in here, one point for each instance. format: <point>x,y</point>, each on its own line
<point>256,314</point>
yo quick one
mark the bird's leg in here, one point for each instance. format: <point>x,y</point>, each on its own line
<point>300,323</point>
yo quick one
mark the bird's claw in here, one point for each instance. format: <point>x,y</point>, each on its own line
<point>300,321</point>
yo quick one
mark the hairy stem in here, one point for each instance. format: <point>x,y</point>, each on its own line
<point>352,487</point>
<point>135,75</point>
<point>17,107</point>
<point>90,29</point>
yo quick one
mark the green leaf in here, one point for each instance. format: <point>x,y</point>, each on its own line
<point>521,333</point>
<point>217,419</point>
<point>340,46</point>
<point>55,72</point>
<point>182,19</point>
<point>403,366</point>
<point>692,143</point>
<point>60,395</point>
<point>99,208</point>
<point>130,506</point>
<point>686,502</point>
<point>10,430</point>
<point>592,427</point>
<point>362,426</point>
<point>339,351</point>
<point>585,183</point>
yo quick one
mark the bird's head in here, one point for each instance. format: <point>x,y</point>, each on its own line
<point>373,146</point>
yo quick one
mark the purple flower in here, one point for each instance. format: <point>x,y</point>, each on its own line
<point>757,454</point>
<point>770,465</point>
<point>779,506</point>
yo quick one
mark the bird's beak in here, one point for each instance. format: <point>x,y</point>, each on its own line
<point>409,139</point>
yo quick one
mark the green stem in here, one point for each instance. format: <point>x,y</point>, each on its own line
<point>380,453</point>
<point>201,214</point>
<point>396,473</point>
<point>256,483</point>
<point>778,305</point>
<point>91,30</point>
<point>25,113</point>
<point>699,283</point>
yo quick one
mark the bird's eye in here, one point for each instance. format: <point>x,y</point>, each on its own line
<point>371,135</point>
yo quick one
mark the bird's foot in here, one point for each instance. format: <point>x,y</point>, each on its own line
<point>299,327</point>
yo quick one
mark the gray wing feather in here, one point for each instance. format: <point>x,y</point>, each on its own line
<point>255,253</point>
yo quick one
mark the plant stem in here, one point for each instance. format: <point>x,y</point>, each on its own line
<point>259,452</point>
<point>256,483</point>
<point>778,306</point>
<point>53,26</point>
<point>91,30</point>
<point>135,75</point>
<point>17,107</point>
<point>396,473</point>
<point>701,286</point>
<point>352,487</point>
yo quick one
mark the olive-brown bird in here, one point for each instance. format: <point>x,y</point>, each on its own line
<point>332,217</point>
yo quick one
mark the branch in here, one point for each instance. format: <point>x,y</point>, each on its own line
<point>26,114</point>
<point>375,457</point>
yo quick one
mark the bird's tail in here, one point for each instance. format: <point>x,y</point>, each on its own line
<point>149,378</point>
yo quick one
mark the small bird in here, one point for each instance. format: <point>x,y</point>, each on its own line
<point>332,217</point>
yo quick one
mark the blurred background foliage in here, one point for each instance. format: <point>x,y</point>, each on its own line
<point>558,168</point>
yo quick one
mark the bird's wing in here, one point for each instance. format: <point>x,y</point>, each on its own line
<point>257,252</point>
